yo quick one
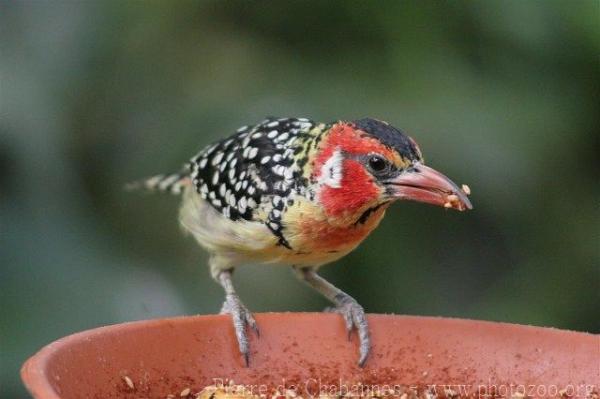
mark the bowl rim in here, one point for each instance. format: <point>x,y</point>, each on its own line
<point>36,380</point>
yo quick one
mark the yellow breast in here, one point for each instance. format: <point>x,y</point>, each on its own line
<point>317,239</point>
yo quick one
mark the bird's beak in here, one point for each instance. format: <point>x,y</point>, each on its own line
<point>425,184</point>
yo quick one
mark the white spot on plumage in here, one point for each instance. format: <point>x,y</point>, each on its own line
<point>277,200</point>
<point>253,152</point>
<point>331,171</point>
<point>203,163</point>
<point>280,186</point>
<point>274,225</point>
<point>231,175</point>
<point>232,200</point>
<point>215,179</point>
<point>241,129</point>
<point>222,190</point>
<point>242,204</point>
<point>289,173</point>
<point>238,186</point>
<point>217,158</point>
<point>251,203</point>
<point>257,135</point>
<point>233,163</point>
<point>246,142</point>
<point>278,170</point>
<point>265,159</point>
<point>210,150</point>
<point>251,190</point>
<point>276,213</point>
<point>283,137</point>
<point>277,158</point>
<point>273,124</point>
<point>217,203</point>
<point>272,134</point>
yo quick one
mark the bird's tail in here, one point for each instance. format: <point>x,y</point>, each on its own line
<point>173,183</point>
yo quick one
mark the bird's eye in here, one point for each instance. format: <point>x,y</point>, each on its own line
<point>377,164</point>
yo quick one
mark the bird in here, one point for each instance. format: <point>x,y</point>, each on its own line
<point>303,194</point>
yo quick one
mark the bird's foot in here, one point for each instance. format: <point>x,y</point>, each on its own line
<point>354,317</point>
<point>241,318</point>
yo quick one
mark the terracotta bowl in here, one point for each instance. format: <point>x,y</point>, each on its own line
<point>312,352</point>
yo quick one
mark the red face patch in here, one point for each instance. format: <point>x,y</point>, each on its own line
<point>357,188</point>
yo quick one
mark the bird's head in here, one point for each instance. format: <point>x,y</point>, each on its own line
<point>365,163</point>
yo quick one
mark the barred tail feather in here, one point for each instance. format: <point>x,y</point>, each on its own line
<point>172,183</point>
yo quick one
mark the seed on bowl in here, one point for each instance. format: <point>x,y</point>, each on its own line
<point>185,392</point>
<point>452,198</point>
<point>448,205</point>
<point>129,382</point>
<point>466,189</point>
<point>212,391</point>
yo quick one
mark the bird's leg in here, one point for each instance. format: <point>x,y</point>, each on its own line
<point>240,314</point>
<point>352,312</point>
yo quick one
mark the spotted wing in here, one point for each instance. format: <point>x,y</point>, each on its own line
<point>253,168</point>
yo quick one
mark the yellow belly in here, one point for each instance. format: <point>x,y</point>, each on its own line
<point>314,238</point>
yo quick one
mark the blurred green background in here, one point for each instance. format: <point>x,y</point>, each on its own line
<point>502,95</point>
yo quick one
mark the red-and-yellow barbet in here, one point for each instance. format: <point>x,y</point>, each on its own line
<point>299,193</point>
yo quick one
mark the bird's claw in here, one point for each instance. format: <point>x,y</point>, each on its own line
<point>241,317</point>
<point>354,317</point>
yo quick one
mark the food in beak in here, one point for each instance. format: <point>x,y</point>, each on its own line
<point>425,184</point>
